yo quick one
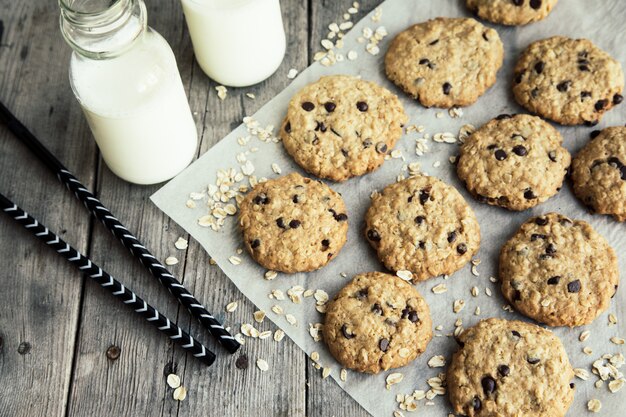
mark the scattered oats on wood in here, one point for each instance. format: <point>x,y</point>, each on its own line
<point>180,393</point>
<point>235,260</point>
<point>584,335</point>
<point>612,319</point>
<point>171,260</point>
<point>326,372</point>
<point>173,381</point>
<point>398,413</point>
<point>477,311</point>
<point>474,291</point>
<point>276,169</point>
<point>616,385</point>
<point>617,340</point>
<point>438,361</point>
<point>315,330</point>
<point>396,154</point>
<point>352,55</point>
<point>279,335</point>
<point>291,319</point>
<point>181,243</point>
<point>265,334</point>
<point>493,279</point>
<point>221,92</point>
<point>277,294</point>
<point>474,270</point>
<point>315,356</point>
<point>259,316</point>
<point>277,309</point>
<point>599,384</point>
<point>594,405</point>
<point>378,14</point>
<point>439,288</point>
<point>239,338</point>
<point>230,307</point>
<point>587,350</point>
<point>321,296</point>
<point>321,308</point>
<point>262,364</point>
<point>436,164</point>
<point>308,293</point>
<point>488,291</point>
<point>455,112</point>
<point>251,96</point>
<point>269,275</point>
<point>458,305</point>
<point>439,115</point>
<point>439,327</point>
<point>190,204</point>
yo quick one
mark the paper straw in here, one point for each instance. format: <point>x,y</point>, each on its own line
<point>107,282</point>
<point>103,214</point>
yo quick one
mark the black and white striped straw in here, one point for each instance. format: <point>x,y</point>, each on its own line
<point>127,239</point>
<point>107,282</point>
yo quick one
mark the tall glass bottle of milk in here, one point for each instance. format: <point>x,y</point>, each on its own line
<point>125,78</point>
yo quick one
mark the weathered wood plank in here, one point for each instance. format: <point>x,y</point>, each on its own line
<point>134,384</point>
<point>226,390</point>
<point>39,301</point>
<point>322,392</point>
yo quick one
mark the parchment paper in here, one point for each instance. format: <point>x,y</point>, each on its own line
<point>600,21</point>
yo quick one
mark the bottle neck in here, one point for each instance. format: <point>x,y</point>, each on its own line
<point>101,29</point>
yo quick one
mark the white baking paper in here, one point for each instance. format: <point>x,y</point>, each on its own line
<point>601,21</point>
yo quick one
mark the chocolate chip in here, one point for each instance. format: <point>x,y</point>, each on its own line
<point>308,106</point>
<point>491,147</point>
<point>618,98</point>
<point>541,221</point>
<point>420,219</point>
<point>573,286</point>
<point>424,61</point>
<point>434,42</point>
<point>362,293</point>
<point>519,77</point>
<point>539,66</point>
<point>520,150</point>
<point>550,249</point>
<point>294,224</point>
<point>504,370</point>
<point>476,403</point>
<point>367,143</point>
<point>451,237</point>
<point>529,194</point>
<point>341,217</point>
<point>594,133</point>
<point>242,361</point>
<point>500,155</point>
<point>572,385</point>
<point>345,153</point>
<point>422,244</point>
<point>489,385</point>
<point>517,295</point>
<point>113,352</point>
<point>462,248</point>
<point>590,123</point>
<point>532,361</point>
<point>316,141</point>
<point>563,86</point>
<point>383,344</point>
<point>413,317</point>
<point>622,172</point>
<point>288,127</point>
<point>325,243</point>
<point>320,127</point>
<point>255,243</point>
<point>485,36</point>
<point>261,199</point>
<point>377,309</point>
<point>330,106</point>
<point>446,88</point>
<point>373,235</point>
<point>296,199</point>
<point>518,2</point>
<point>346,334</point>
<point>554,280</point>
<point>362,106</point>
<point>601,104</point>
<point>535,4</point>
<point>536,236</point>
<point>584,95</point>
<point>534,92</point>
<point>552,156</point>
<point>381,147</point>
<point>584,67</point>
<point>516,333</point>
<point>280,222</point>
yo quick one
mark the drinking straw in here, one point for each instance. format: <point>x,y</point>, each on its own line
<point>107,282</point>
<point>103,214</point>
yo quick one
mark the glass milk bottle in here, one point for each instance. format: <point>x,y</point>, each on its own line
<point>125,78</point>
<point>236,42</point>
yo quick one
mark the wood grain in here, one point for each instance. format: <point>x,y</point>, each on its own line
<point>40,298</point>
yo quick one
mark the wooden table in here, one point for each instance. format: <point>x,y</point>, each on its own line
<point>55,326</point>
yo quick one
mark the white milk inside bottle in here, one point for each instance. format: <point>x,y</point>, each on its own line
<point>134,100</point>
<point>236,42</point>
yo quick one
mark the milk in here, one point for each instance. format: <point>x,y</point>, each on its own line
<point>137,109</point>
<point>236,42</point>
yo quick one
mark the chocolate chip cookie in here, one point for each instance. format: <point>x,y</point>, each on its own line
<point>558,271</point>
<point>515,162</point>
<point>570,81</point>
<point>293,224</point>
<point>510,369</point>
<point>511,12</point>
<point>599,173</point>
<point>377,322</point>
<point>341,126</point>
<point>445,62</point>
<point>422,225</point>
